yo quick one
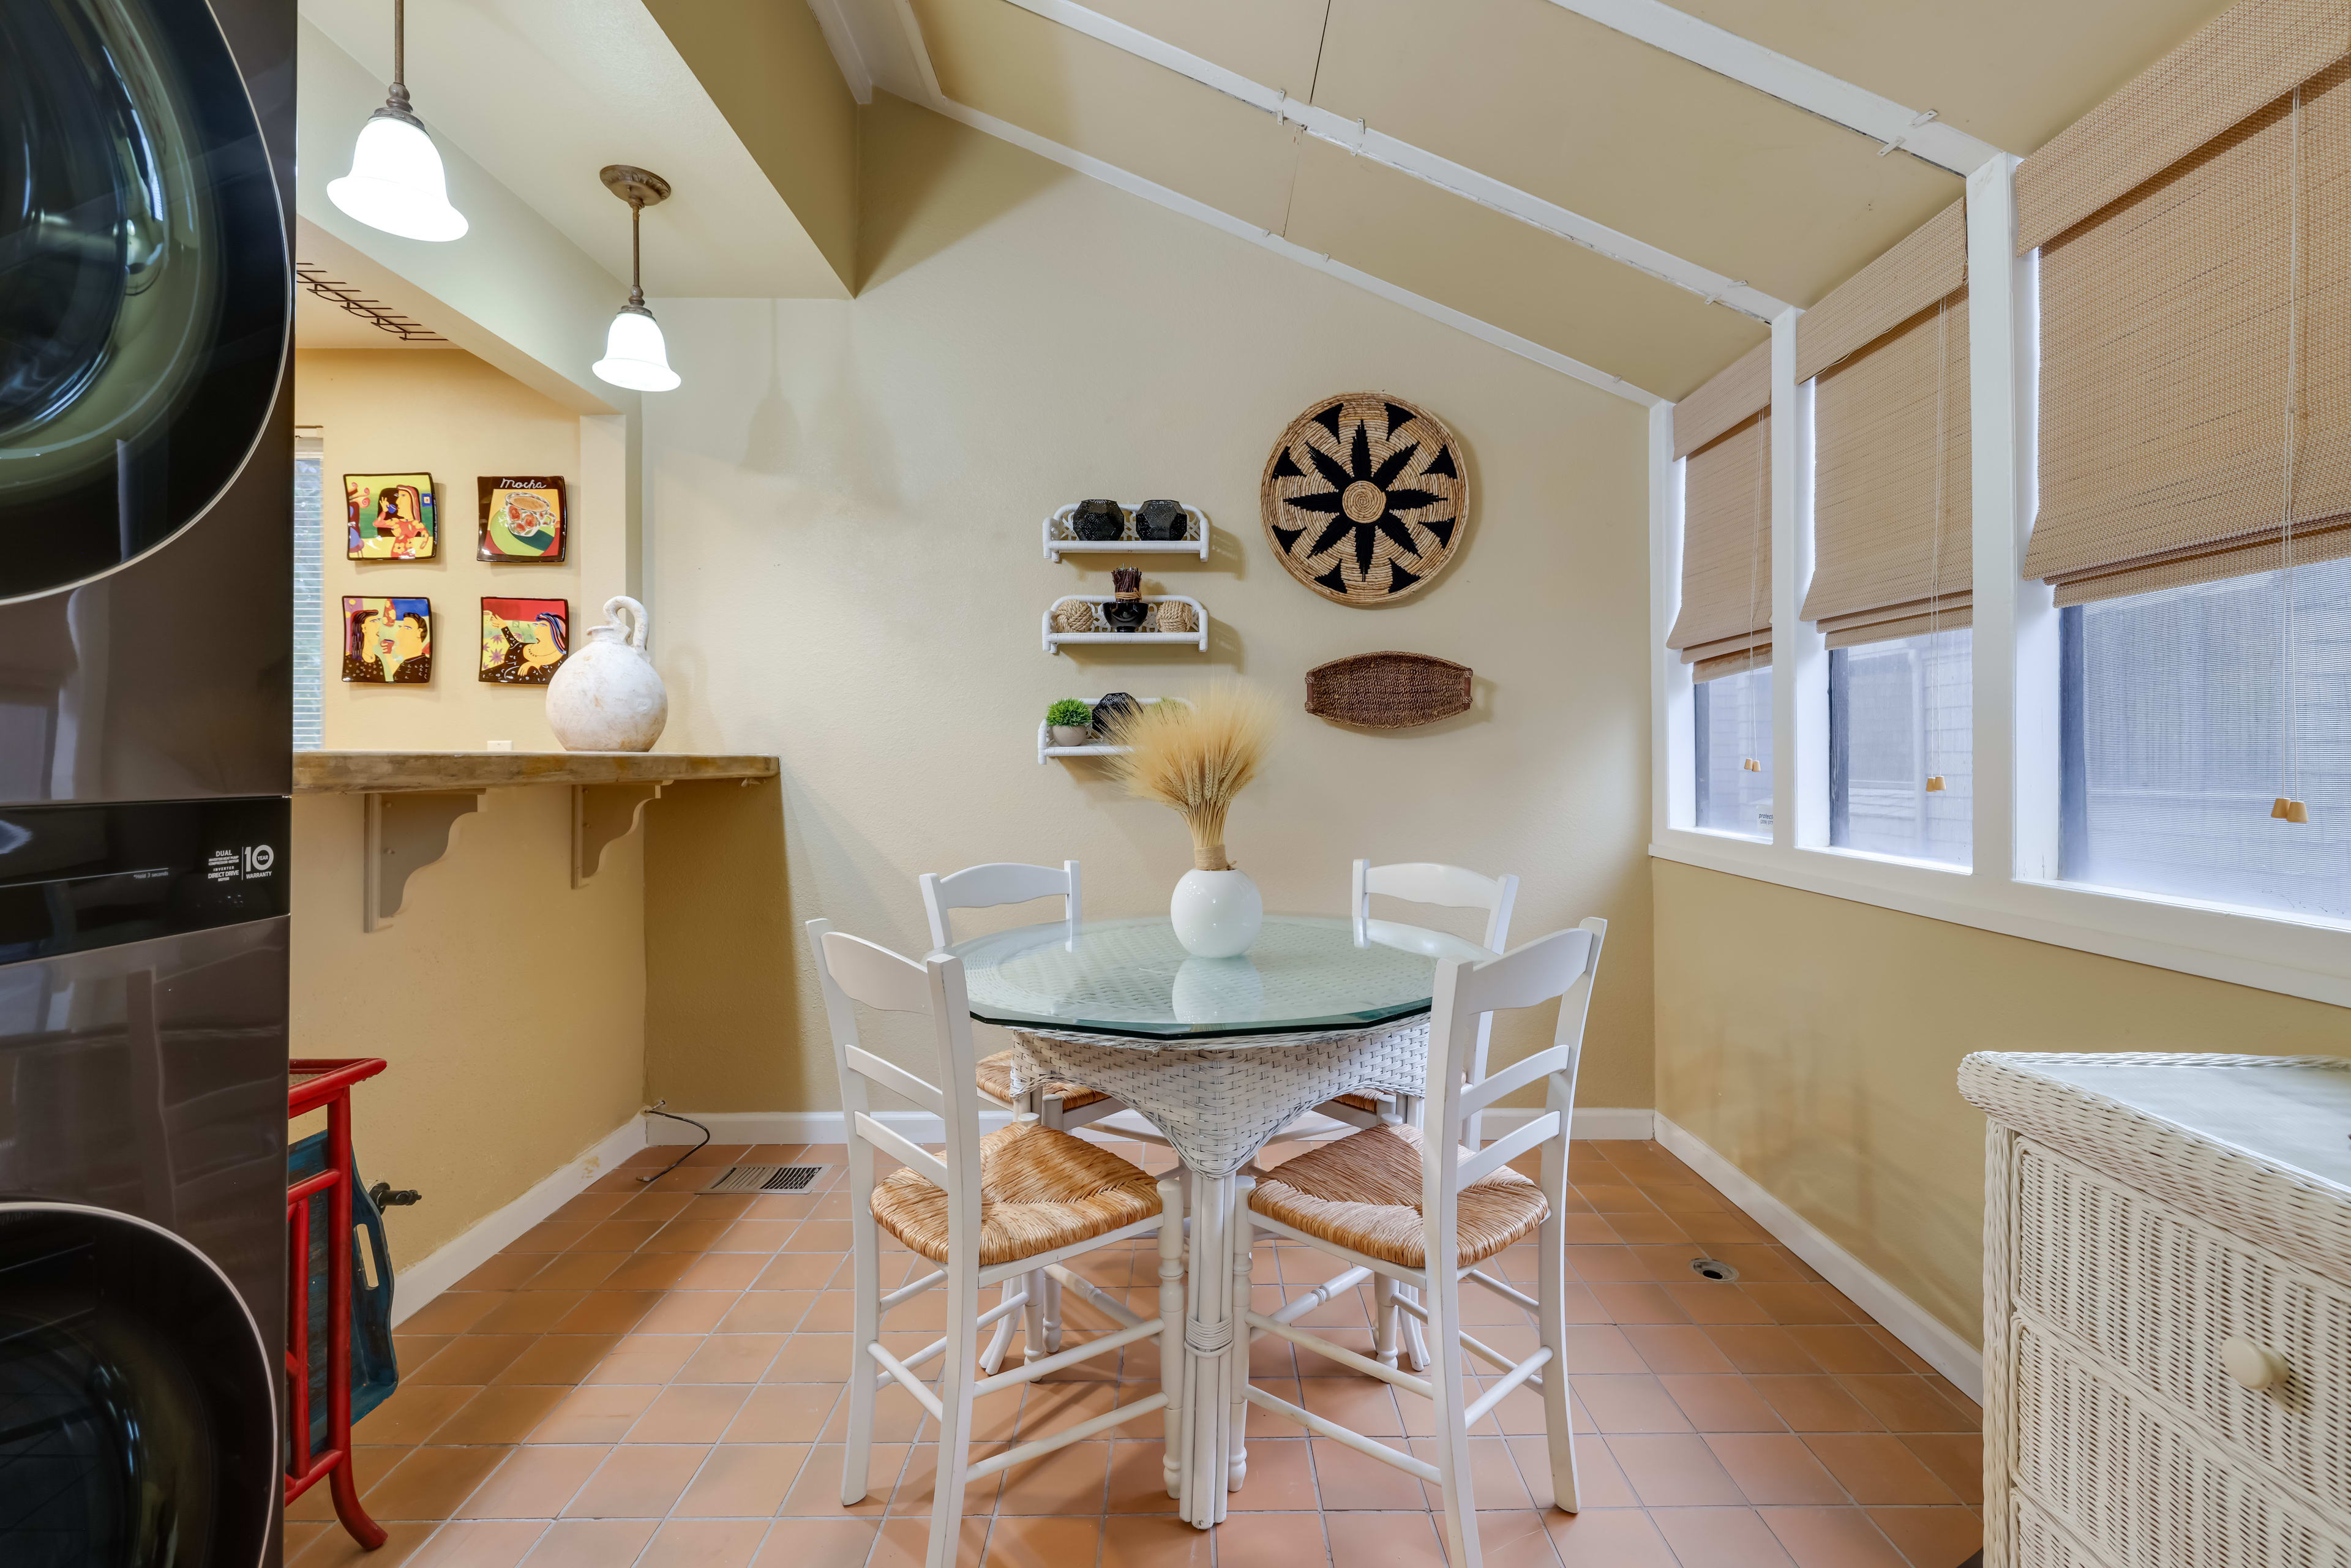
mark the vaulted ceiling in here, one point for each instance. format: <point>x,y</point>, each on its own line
<point>1562,173</point>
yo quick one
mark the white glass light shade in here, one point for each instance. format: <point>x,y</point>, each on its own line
<point>635,354</point>
<point>396,183</point>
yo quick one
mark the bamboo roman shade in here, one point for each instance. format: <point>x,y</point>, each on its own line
<point>1927,265</point>
<point>1723,401</point>
<point>1725,625</point>
<point>1892,521</point>
<point>2250,56</point>
<point>2196,359</point>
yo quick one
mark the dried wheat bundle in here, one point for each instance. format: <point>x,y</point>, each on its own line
<point>1194,759</point>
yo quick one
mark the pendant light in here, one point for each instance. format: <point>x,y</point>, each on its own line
<point>396,183</point>
<point>635,354</point>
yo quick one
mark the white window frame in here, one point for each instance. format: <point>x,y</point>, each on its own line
<point>2012,887</point>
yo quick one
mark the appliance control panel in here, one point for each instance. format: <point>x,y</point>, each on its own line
<point>73,878</point>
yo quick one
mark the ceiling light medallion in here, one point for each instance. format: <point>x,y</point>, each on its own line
<point>635,354</point>
<point>396,183</point>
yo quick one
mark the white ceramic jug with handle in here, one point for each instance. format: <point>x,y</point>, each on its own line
<point>607,695</point>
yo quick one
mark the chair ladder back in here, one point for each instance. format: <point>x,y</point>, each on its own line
<point>1449,887</point>
<point>1561,965</point>
<point>854,970</point>
<point>997,882</point>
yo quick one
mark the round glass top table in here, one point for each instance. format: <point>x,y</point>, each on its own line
<point>1130,980</point>
<point>1219,1055</point>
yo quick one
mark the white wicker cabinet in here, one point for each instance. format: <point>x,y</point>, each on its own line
<point>2167,1311</point>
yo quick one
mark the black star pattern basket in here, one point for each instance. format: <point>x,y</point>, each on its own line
<point>1364,497</point>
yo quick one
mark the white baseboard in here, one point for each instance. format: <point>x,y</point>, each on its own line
<point>1924,1332</point>
<point>430,1275</point>
<point>826,1126</point>
<point>1945,1351</point>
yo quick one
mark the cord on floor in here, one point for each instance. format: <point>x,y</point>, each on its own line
<point>655,1110</point>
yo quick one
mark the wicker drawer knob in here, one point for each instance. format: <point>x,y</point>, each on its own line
<point>2254,1365</point>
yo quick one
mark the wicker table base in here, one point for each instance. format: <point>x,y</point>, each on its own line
<point>1219,1105</point>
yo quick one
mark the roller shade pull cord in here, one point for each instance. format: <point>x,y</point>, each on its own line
<point>1754,557</point>
<point>1935,558</point>
<point>2289,806</point>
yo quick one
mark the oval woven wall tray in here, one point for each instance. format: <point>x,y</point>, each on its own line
<point>1388,691</point>
<point>1364,497</point>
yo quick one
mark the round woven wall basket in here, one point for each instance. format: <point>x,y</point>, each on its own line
<point>1364,498</point>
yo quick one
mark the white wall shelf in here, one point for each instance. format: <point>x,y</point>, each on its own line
<point>1060,538</point>
<point>1045,748</point>
<point>1055,640</point>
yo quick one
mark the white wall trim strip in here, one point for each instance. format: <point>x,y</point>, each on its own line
<point>2290,957</point>
<point>1926,1334</point>
<point>842,40</point>
<point>426,1278</point>
<point>1895,126</point>
<point>825,1126</point>
<point>1175,202</point>
<point>1421,164</point>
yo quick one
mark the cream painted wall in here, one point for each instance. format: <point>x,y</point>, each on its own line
<point>1815,1043</point>
<point>844,502</point>
<point>509,1005</point>
<point>448,414</point>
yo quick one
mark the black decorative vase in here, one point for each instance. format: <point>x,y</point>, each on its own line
<point>1126,614</point>
<point>1113,710</point>
<point>1098,522</point>
<point>1162,522</point>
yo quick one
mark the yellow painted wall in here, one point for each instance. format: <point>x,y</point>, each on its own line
<point>1815,1043</point>
<point>446,413</point>
<point>509,1005</point>
<point>844,539</point>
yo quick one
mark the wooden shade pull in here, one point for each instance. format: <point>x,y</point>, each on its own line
<point>1934,783</point>
<point>1750,765</point>
<point>2289,811</point>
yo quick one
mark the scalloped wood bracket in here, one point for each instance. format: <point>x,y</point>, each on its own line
<point>405,833</point>
<point>601,814</point>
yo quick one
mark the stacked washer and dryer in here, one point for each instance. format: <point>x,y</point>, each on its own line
<point>146,544</point>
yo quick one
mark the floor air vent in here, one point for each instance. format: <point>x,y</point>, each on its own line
<point>765,1179</point>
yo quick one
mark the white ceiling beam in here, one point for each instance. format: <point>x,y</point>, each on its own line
<point>1217,219</point>
<point>1416,161</point>
<point>1894,126</point>
<point>842,40</point>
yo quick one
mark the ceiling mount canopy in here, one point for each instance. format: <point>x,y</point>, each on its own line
<point>635,355</point>
<point>396,183</point>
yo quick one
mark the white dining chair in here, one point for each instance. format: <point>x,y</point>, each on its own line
<point>1021,1201</point>
<point>1062,1106</point>
<point>1447,887</point>
<point>1057,1105</point>
<point>1402,1209</point>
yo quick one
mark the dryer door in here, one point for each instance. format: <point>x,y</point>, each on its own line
<point>138,1425</point>
<point>144,291</point>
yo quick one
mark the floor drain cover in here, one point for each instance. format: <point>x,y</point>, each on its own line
<point>1712,1269</point>
<point>765,1179</point>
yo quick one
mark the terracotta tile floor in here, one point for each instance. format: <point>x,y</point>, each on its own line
<point>652,1377</point>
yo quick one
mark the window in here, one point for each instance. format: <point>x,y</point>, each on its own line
<point>1733,714</point>
<point>2179,733</point>
<point>309,589</point>
<point>1901,735</point>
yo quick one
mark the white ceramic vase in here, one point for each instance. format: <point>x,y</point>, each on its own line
<point>1216,914</point>
<point>607,695</point>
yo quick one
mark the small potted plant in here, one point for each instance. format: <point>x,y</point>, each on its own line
<point>1071,722</point>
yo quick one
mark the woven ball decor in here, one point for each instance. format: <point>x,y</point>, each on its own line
<point>1364,497</point>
